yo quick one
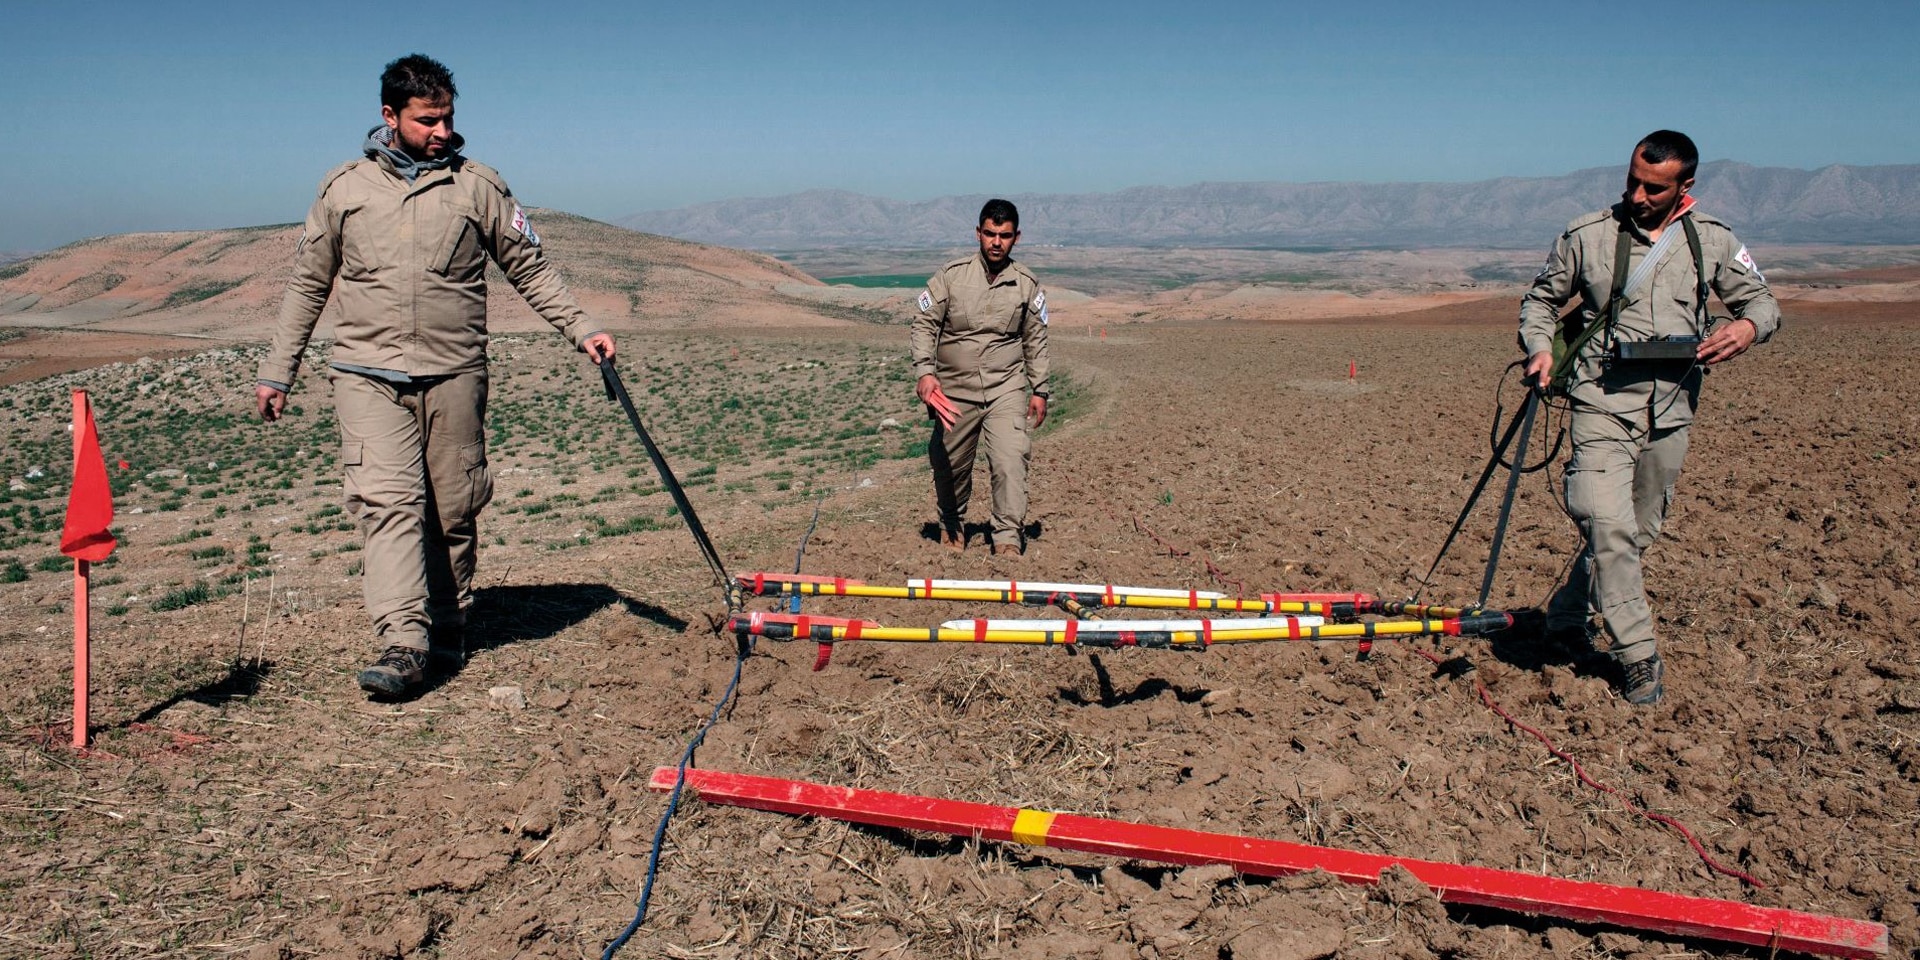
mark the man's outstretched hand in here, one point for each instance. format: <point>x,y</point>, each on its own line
<point>270,400</point>
<point>599,347</point>
<point>1540,369</point>
<point>936,400</point>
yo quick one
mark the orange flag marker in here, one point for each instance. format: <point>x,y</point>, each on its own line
<point>87,540</point>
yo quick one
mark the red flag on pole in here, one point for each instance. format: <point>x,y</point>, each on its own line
<point>86,540</point>
<point>90,502</point>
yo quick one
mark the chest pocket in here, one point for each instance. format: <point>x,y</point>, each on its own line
<point>460,253</point>
<point>1003,309</point>
<point>359,250</point>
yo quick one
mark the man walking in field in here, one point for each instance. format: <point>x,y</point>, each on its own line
<point>400,240</point>
<point>1642,342</point>
<point>980,366</point>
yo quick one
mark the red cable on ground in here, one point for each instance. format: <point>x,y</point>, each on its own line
<point>1487,698</point>
<point>1219,576</point>
<point>1581,772</point>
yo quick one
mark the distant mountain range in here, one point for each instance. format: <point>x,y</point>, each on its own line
<point>1835,204</point>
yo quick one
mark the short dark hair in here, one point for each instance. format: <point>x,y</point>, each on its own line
<point>1661,146</point>
<point>415,75</point>
<point>1000,211</point>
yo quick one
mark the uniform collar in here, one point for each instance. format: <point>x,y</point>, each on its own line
<point>1004,276</point>
<point>1685,208</point>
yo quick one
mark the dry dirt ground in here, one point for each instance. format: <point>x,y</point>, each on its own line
<point>248,801</point>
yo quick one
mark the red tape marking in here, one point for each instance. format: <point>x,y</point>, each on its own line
<point>979,631</point>
<point>1206,633</point>
<point>1073,631</point>
<point>1193,599</point>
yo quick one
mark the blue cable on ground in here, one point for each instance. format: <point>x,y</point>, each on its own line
<point>743,648</point>
<point>673,804</point>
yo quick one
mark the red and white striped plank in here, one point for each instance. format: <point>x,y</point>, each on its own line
<point>1580,901</point>
<point>1141,626</point>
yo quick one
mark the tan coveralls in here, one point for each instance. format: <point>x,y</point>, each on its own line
<point>1630,419</point>
<point>986,341</point>
<point>405,264</point>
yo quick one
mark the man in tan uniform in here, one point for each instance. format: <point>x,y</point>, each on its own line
<point>400,240</point>
<point>1630,407</point>
<point>980,366</point>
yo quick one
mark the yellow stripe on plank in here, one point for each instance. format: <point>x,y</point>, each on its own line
<point>1030,827</point>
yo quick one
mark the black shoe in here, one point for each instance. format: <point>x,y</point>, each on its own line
<point>448,644</point>
<point>1642,683</point>
<point>398,670</point>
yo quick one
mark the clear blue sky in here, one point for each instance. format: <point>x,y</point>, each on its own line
<point>149,116</point>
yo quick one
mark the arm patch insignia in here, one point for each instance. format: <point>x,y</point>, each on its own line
<point>925,303</point>
<point>525,226</point>
<point>1040,306</point>
<point>1745,259</point>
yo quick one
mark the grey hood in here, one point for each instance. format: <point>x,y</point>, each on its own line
<point>380,144</point>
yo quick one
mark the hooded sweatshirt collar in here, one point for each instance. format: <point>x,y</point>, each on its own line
<point>380,145</point>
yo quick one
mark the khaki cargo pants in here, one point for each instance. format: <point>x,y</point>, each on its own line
<point>416,477</point>
<point>1619,483</point>
<point>1002,423</point>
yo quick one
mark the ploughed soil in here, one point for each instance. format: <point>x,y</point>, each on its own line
<point>248,800</point>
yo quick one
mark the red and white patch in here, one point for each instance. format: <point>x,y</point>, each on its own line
<point>926,300</point>
<point>1745,259</point>
<point>525,226</point>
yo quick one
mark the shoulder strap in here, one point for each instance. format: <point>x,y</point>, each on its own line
<point>1567,359</point>
<point>1622,252</point>
<point>1699,266</point>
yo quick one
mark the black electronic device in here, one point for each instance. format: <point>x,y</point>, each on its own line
<point>1669,349</point>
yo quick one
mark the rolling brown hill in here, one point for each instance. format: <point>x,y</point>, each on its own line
<point>227,284</point>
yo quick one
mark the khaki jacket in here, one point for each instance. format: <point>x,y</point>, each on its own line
<point>407,264</point>
<point>983,340</point>
<point>1667,304</point>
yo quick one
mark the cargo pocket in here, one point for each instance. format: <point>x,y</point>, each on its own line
<point>473,460</point>
<point>351,452</point>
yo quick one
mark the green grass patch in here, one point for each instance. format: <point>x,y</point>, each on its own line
<point>184,597</point>
<point>879,280</point>
<point>197,291</point>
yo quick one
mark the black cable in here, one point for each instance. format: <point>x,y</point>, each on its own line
<point>1494,462</point>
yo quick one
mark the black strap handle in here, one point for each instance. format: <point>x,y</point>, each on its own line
<point>618,391</point>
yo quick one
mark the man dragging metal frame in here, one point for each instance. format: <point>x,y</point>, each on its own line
<point>400,241</point>
<point>1641,341</point>
<point>980,366</point>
